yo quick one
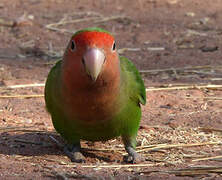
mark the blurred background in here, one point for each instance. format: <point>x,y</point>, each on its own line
<point>175,44</point>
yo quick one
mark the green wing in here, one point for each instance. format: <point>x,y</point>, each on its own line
<point>54,103</point>
<point>135,84</point>
<point>51,86</point>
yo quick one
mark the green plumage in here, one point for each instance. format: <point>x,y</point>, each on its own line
<point>91,29</point>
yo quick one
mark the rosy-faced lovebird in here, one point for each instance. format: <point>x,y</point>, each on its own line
<point>94,94</point>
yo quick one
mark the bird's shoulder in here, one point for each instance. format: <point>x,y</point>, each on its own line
<point>55,70</point>
<point>51,86</point>
<point>133,80</point>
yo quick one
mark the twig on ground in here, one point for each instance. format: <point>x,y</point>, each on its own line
<point>181,69</point>
<point>54,160</point>
<point>23,96</point>
<point>117,165</point>
<point>24,85</point>
<point>14,128</point>
<point>121,51</point>
<point>208,129</point>
<point>191,171</point>
<point>167,146</point>
<point>207,98</point>
<point>209,86</point>
<point>95,19</point>
<point>207,158</point>
<point>23,129</point>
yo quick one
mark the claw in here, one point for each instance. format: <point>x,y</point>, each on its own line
<point>134,159</point>
<point>74,153</point>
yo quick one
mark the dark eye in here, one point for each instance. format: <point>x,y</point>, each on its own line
<point>72,46</point>
<point>114,46</point>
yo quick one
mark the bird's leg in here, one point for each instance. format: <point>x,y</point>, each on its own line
<point>73,152</point>
<point>130,146</point>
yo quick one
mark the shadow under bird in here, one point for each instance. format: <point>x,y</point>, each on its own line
<point>94,94</point>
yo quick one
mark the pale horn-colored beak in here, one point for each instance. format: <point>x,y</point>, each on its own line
<point>93,60</point>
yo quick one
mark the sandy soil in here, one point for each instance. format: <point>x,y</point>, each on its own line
<point>178,44</point>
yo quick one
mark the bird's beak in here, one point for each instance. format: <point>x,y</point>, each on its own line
<point>93,60</point>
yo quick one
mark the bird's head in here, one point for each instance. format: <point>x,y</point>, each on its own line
<point>90,54</point>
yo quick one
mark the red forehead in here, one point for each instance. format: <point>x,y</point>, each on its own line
<point>94,38</point>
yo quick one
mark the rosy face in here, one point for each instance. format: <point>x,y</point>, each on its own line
<point>92,55</point>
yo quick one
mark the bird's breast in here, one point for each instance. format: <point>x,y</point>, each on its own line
<point>95,102</point>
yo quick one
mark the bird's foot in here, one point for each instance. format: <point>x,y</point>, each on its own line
<point>133,157</point>
<point>74,153</point>
<point>137,158</point>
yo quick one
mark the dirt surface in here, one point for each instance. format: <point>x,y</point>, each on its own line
<point>177,42</point>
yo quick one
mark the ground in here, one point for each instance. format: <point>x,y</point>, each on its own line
<point>176,44</point>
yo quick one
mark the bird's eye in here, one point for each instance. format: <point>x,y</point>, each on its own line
<point>72,46</point>
<point>114,46</point>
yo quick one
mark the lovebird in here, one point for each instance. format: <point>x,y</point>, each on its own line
<point>94,94</point>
